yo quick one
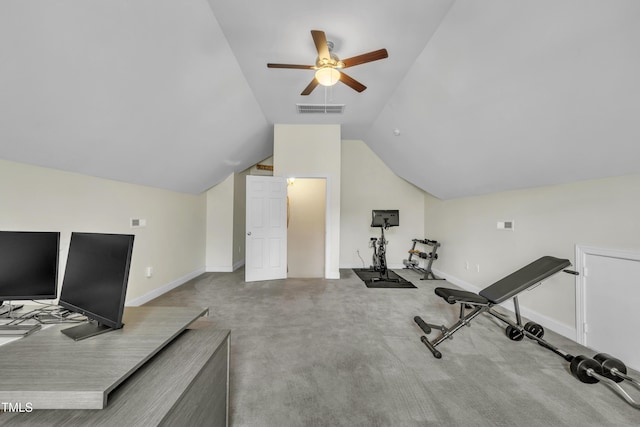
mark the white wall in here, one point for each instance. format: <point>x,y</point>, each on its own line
<point>549,220</point>
<point>313,151</point>
<point>172,243</point>
<point>367,184</point>
<point>220,204</point>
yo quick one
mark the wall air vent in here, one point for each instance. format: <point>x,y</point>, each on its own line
<point>320,108</point>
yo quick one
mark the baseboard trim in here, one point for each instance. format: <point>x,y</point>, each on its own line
<point>164,289</point>
<point>219,269</point>
<point>238,264</point>
<point>545,321</point>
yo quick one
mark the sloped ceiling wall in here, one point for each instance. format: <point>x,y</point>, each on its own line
<point>518,94</point>
<point>486,95</point>
<point>146,92</point>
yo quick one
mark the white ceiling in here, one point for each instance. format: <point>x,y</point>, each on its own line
<point>487,95</point>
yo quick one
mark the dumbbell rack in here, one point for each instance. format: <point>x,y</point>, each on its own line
<point>414,264</point>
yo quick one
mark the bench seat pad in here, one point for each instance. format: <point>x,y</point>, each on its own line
<point>453,296</point>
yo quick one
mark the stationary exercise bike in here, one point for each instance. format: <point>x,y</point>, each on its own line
<point>382,219</point>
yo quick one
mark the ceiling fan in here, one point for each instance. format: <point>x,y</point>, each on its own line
<point>329,67</point>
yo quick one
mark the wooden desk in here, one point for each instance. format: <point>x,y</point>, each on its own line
<point>52,371</point>
<point>185,384</point>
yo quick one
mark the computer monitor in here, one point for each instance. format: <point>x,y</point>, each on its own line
<point>95,281</point>
<point>385,218</point>
<point>28,266</point>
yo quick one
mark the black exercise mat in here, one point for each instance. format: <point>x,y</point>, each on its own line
<point>366,275</point>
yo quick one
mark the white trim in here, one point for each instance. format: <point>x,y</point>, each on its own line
<point>219,269</point>
<point>163,289</point>
<point>580,301</point>
<point>547,322</point>
<point>456,281</point>
<point>238,264</point>
<point>581,254</point>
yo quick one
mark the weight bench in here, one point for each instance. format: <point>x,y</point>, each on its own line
<point>484,301</point>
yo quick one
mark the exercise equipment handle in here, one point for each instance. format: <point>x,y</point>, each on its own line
<point>423,325</point>
<point>617,388</point>
<point>575,273</point>
<point>431,348</point>
<point>566,356</point>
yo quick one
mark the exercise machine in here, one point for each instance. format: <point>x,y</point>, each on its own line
<point>483,302</point>
<point>602,367</point>
<point>414,264</point>
<point>382,219</point>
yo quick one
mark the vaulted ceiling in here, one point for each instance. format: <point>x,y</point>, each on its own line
<point>475,96</point>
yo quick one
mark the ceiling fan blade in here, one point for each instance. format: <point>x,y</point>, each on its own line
<point>351,82</point>
<point>320,39</point>
<point>365,57</point>
<point>310,87</point>
<point>298,67</point>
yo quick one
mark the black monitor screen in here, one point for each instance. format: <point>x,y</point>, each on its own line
<point>385,218</point>
<point>29,265</point>
<point>96,276</point>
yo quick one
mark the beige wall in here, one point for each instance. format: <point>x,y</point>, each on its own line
<point>306,209</point>
<point>226,205</point>
<point>313,151</point>
<point>172,243</point>
<point>548,221</point>
<point>219,242</point>
<point>239,218</point>
<point>367,184</point>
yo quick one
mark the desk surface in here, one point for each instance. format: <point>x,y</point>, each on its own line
<point>151,395</point>
<point>52,371</point>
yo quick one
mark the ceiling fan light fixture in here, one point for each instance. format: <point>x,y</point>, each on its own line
<point>327,76</point>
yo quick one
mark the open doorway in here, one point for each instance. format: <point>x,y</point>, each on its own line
<point>306,227</point>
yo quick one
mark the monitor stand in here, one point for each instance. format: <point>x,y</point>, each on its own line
<point>8,308</point>
<point>86,330</point>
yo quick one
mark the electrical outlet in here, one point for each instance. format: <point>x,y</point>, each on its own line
<point>148,272</point>
<point>138,222</point>
<point>477,268</point>
<point>466,265</point>
<point>506,225</point>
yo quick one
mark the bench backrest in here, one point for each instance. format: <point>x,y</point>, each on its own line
<point>520,280</point>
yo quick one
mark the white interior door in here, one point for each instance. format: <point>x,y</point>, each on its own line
<point>266,234</point>
<point>611,292</point>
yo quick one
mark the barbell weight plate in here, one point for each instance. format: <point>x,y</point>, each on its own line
<point>514,334</point>
<point>534,329</point>
<point>580,366</point>
<point>608,362</point>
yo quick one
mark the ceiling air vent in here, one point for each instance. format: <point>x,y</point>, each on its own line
<point>320,108</point>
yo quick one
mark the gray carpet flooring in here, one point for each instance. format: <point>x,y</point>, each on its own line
<point>314,352</point>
